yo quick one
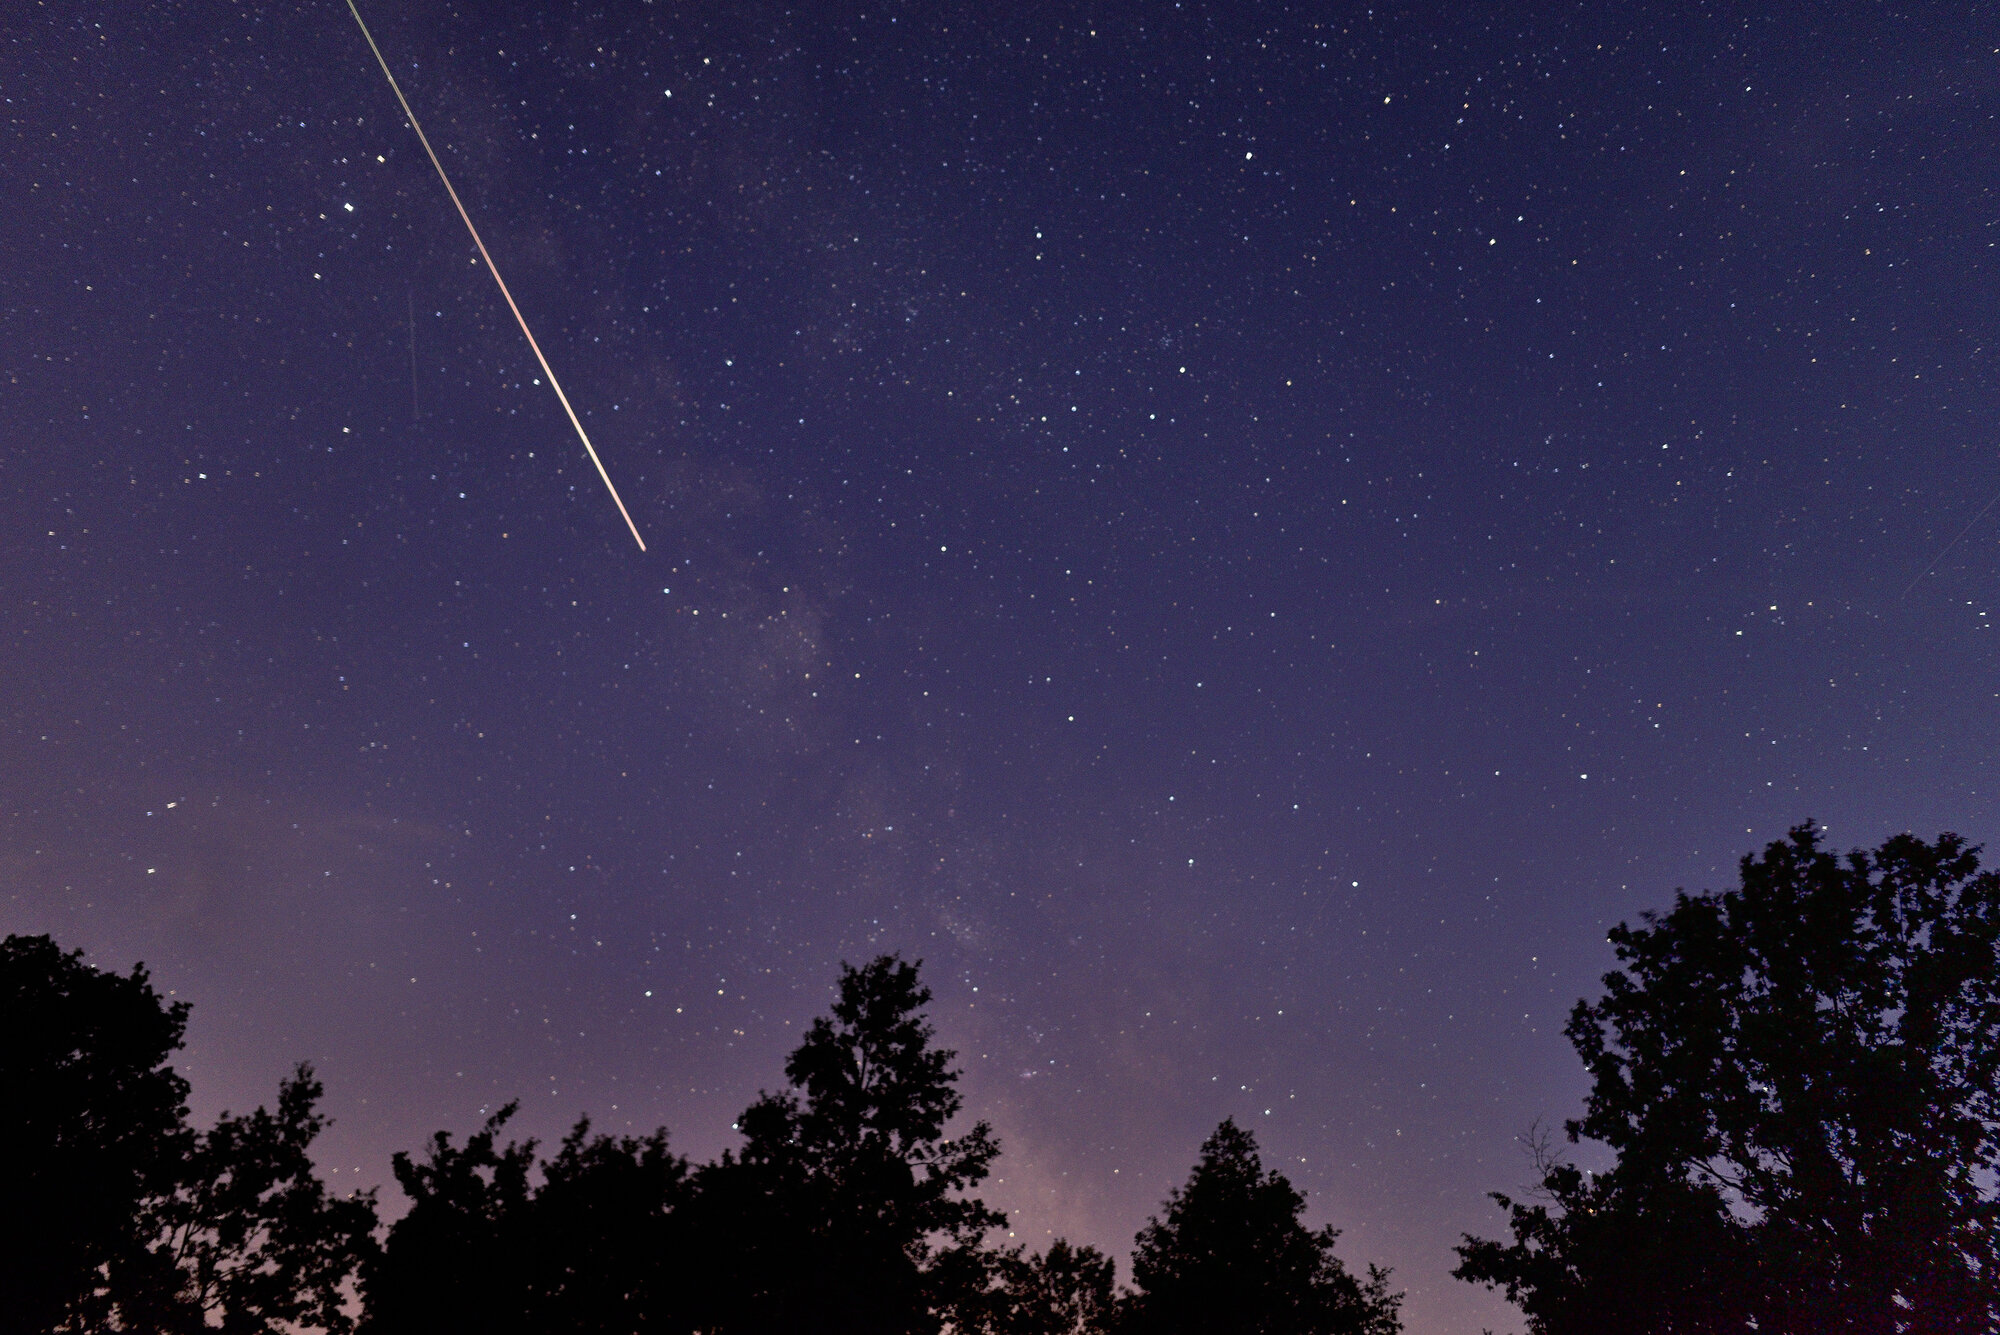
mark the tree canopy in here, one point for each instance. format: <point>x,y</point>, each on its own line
<point>246,1238</point>
<point>93,1115</point>
<point>134,1219</point>
<point>1230,1253</point>
<point>845,1209</point>
<point>1065,1290</point>
<point>1797,1079</point>
<point>591,1247</point>
<point>1796,1082</point>
<point>848,1209</point>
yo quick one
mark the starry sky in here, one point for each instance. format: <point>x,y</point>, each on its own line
<point>1243,535</point>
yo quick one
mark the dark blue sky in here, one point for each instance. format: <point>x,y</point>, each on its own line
<point>1246,536</point>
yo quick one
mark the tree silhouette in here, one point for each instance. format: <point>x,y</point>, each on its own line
<point>248,1239</point>
<point>483,1248</point>
<point>1231,1254</point>
<point>457,1258</point>
<point>1065,1290</point>
<point>93,1119</point>
<point>1798,1079</point>
<point>125,1218</point>
<point>1618,1252</point>
<point>843,1211</point>
<point>611,1255</point>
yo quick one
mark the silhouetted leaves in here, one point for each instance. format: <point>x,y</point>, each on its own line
<point>1063,1291</point>
<point>459,1257</point>
<point>613,1254</point>
<point>844,1209</point>
<point>1798,1078</point>
<point>121,1216</point>
<point>1609,1253</point>
<point>93,1119</point>
<point>591,1249</point>
<point>1231,1254</point>
<point>248,1239</point>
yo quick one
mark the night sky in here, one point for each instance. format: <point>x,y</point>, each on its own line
<point>1243,535</point>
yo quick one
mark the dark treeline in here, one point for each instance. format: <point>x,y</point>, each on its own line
<point>1795,1081</point>
<point>847,1209</point>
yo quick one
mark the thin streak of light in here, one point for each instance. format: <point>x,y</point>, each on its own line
<point>1953,543</point>
<point>411,299</point>
<point>493,269</point>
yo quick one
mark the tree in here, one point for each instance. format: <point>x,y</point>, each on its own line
<point>592,1249</point>
<point>608,1236</point>
<point>126,1218</point>
<point>844,1210</point>
<point>93,1118</point>
<point>247,1239</point>
<point>1615,1252</point>
<point>457,1259</point>
<point>1065,1290</point>
<point>1062,1291</point>
<point>1231,1254</point>
<point>1800,1081</point>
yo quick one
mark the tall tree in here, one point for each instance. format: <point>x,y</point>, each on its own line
<point>1231,1253</point>
<point>845,1209</point>
<point>93,1118</point>
<point>1800,1081</point>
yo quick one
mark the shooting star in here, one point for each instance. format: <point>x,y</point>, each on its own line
<point>491,268</point>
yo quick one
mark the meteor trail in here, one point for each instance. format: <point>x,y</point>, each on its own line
<point>423,139</point>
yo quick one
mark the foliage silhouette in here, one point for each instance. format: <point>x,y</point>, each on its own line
<point>484,1248</point>
<point>1612,1252</point>
<point>248,1239</point>
<point>1062,1291</point>
<point>94,1120</point>
<point>1798,1080</point>
<point>611,1234</point>
<point>1231,1254</point>
<point>844,1210</point>
<point>458,1258</point>
<point>135,1221</point>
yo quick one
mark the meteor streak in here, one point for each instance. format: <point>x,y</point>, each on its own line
<point>491,268</point>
